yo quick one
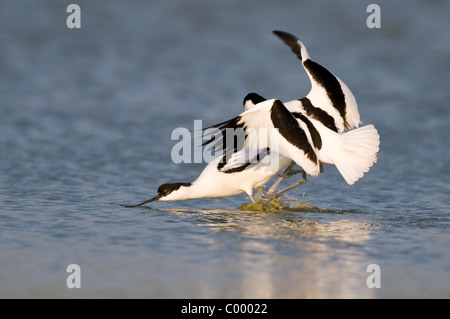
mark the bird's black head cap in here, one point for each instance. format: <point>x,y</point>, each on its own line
<point>255,98</point>
<point>166,189</point>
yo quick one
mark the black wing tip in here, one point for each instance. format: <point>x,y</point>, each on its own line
<point>224,124</point>
<point>290,40</point>
<point>285,35</point>
<point>234,124</point>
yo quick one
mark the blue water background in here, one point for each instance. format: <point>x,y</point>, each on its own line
<point>86,117</point>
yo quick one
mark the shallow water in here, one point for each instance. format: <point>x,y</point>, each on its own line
<point>85,125</point>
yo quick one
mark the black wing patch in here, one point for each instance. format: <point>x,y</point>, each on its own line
<point>317,140</point>
<point>234,129</point>
<point>318,114</point>
<point>290,41</point>
<point>331,85</point>
<point>261,154</point>
<point>290,129</point>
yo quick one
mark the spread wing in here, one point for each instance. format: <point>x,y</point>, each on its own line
<point>270,125</point>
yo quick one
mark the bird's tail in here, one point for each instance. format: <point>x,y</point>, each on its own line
<point>354,152</point>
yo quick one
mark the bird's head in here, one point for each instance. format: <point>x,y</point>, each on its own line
<point>166,192</point>
<point>251,99</point>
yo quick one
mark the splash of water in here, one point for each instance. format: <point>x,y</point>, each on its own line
<point>291,205</point>
<point>261,204</point>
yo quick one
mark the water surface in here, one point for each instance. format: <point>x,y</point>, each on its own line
<point>85,125</point>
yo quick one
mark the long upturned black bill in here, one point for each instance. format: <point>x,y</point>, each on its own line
<point>147,201</point>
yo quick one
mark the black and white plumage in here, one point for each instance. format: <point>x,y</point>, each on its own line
<point>311,130</point>
<point>229,174</point>
<point>307,141</point>
<point>329,101</point>
<point>231,179</point>
<point>308,131</point>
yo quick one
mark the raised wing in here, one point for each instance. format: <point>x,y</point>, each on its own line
<point>328,92</point>
<point>270,124</point>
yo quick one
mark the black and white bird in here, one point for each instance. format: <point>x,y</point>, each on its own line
<point>230,174</point>
<point>312,129</point>
<point>329,101</point>
<point>307,141</point>
<point>353,153</point>
<point>218,180</point>
<point>308,131</point>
